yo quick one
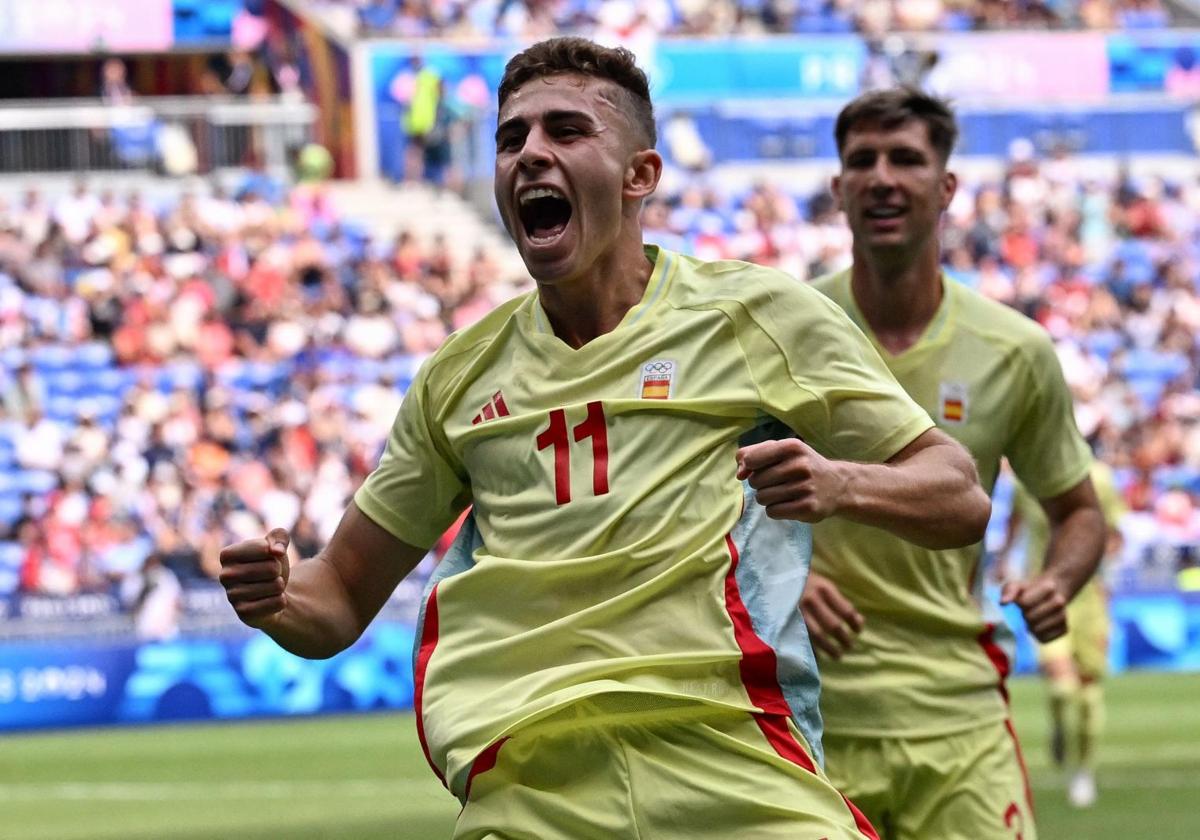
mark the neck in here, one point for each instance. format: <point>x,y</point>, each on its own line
<point>897,297</point>
<point>589,305</point>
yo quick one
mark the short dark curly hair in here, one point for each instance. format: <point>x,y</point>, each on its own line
<point>890,108</point>
<point>556,56</point>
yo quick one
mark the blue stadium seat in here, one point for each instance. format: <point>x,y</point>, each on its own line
<point>36,482</point>
<point>61,408</point>
<point>809,24</point>
<point>12,553</point>
<point>111,381</point>
<point>51,357</point>
<point>181,375</point>
<point>1104,343</point>
<point>1148,391</point>
<point>1152,365</point>
<point>93,355</point>
<point>12,358</point>
<point>66,383</point>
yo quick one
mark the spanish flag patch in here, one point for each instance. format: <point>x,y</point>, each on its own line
<point>953,399</point>
<point>658,379</point>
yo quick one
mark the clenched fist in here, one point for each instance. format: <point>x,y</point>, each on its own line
<point>792,480</point>
<point>1042,602</point>
<point>255,576</point>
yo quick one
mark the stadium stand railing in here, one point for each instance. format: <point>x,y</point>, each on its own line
<point>176,135</point>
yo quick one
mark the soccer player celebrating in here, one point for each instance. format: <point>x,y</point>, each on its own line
<point>1075,663</point>
<point>916,719</point>
<point>611,648</point>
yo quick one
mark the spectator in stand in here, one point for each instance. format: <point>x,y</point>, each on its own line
<point>114,83</point>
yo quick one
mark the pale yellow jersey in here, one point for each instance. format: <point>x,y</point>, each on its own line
<point>612,553</point>
<point>1036,525</point>
<point>932,657</point>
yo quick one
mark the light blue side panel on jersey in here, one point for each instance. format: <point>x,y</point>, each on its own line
<point>458,558</point>
<point>773,561</point>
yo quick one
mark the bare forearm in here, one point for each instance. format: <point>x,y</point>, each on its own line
<point>931,498</point>
<point>1076,548</point>
<point>319,620</point>
<point>331,599</point>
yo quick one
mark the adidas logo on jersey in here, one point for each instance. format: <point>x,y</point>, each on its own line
<point>495,408</point>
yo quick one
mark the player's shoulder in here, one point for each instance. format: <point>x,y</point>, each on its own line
<point>994,321</point>
<point>747,286</point>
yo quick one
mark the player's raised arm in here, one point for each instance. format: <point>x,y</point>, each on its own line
<point>322,605</point>
<point>928,492</point>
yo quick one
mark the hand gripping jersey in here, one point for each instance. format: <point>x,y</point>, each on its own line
<point>932,655</point>
<point>612,553</point>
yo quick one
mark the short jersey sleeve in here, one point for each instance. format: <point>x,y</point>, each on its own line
<point>817,372</point>
<point>419,487</point>
<point>1046,450</point>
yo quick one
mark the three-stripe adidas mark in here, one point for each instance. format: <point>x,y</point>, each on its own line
<point>494,408</point>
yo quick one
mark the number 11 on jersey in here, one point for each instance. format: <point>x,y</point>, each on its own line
<point>555,435</point>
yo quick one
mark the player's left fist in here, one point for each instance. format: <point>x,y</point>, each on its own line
<point>1043,603</point>
<point>792,480</point>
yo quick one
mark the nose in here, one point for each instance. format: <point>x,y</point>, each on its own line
<point>882,177</point>
<point>535,153</point>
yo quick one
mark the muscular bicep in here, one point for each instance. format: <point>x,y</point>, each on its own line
<point>952,450</point>
<point>369,561</point>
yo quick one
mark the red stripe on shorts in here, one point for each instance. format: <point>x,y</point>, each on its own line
<point>760,678</point>
<point>999,660</point>
<point>429,638</point>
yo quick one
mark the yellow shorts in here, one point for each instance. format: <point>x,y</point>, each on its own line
<point>721,777</point>
<point>1086,639</point>
<point>966,786</point>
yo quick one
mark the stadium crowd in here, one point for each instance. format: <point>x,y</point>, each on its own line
<point>177,377</point>
<point>628,20</point>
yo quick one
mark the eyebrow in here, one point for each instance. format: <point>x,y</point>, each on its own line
<point>559,115</point>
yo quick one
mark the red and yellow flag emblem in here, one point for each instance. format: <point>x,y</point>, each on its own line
<point>658,379</point>
<point>953,399</point>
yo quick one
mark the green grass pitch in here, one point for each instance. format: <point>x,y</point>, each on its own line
<point>364,777</point>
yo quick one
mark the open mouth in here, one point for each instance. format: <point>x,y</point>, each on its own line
<point>544,213</point>
<point>884,212</point>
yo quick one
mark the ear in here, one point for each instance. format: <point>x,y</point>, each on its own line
<point>642,174</point>
<point>949,188</point>
<point>835,187</point>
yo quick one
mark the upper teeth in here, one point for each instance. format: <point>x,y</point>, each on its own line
<point>541,192</point>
